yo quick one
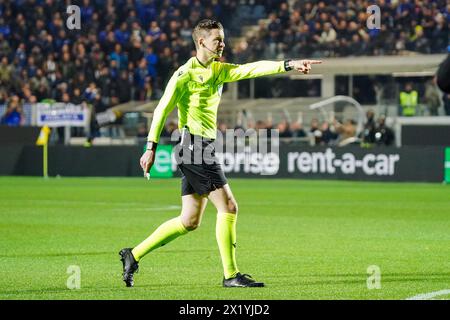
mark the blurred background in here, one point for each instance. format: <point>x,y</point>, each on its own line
<point>97,86</point>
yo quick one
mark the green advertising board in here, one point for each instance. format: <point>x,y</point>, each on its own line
<point>162,168</point>
<point>447,165</point>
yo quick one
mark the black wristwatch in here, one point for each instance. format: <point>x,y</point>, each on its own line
<point>151,145</point>
<point>287,67</point>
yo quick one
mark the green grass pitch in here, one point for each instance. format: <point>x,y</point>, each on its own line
<point>304,239</point>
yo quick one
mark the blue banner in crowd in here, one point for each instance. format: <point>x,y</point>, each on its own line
<point>61,114</point>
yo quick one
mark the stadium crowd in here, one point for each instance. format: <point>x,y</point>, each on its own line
<point>127,49</point>
<point>329,28</point>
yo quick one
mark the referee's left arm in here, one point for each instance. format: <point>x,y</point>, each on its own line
<point>235,72</point>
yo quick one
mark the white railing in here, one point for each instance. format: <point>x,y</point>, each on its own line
<point>330,102</point>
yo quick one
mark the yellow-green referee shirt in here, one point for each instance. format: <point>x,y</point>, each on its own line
<point>197,90</point>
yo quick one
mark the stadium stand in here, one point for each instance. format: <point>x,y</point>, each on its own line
<point>338,29</point>
<point>126,50</point>
<point>125,54</point>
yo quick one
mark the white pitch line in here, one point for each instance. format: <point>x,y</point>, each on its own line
<point>427,296</point>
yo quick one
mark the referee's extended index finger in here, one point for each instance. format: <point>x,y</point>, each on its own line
<point>312,61</point>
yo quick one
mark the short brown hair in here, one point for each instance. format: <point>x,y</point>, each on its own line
<point>204,26</point>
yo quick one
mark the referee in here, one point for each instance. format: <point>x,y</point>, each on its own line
<point>196,88</point>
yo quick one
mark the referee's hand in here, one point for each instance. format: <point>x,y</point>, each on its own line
<point>147,160</point>
<point>303,66</point>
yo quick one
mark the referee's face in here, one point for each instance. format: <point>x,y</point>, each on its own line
<point>214,43</point>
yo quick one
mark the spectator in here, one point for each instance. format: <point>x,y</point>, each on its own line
<point>346,131</point>
<point>113,70</point>
<point>98,106</point>
<point>13,115</point>
<point>440,32</point>
<point>431,99</point>
<point>384,135</point>
<point>67,67</point>
<point>315,132</point>
<point>420,42</point>
<point>328,35</point>
<point>165,65</point>
<point>222,127</point>
<point>91,93</point>
<point>368,134</point>
<point>5,47</point>
<point>77,98</point>
<point>50,67</point>
<point>120,58</point>
<point>154,31</point>
<point>31,68</point>
<point>260,125</point>
<point>21,55</point>
<point>123,88</point>
<point>185,31</point>
<point>135,52</point>
<point>152,62</point>
<point>104,81</point>
<point>141,76</point>
<point>296,128</point>
<point>40,83</point>
<point>147,92</point>
<point>409,99</point>
<point>328,135</point>
<point>27,95</point>
<point>284,130</point>
<point>6,71</point>
<point>109,41</point>
<point>122,35</point>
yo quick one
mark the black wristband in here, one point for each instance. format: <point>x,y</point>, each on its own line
<point>287,67</point>
<point>151,145</point>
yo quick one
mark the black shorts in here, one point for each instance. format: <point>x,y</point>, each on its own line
<point>201,179</point>
<point>200,169</point>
